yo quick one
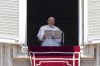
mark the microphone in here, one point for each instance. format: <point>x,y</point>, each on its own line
<point>51,26</point>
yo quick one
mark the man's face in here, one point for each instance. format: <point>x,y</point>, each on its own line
<point>51,21</point>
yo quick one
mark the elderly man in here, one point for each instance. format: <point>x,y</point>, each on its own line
<point>49,41</point>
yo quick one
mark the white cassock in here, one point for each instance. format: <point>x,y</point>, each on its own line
<point>48,42</point>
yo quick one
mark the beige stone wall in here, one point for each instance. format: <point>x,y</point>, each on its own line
<point>21,62</point>
<point>87,63</point>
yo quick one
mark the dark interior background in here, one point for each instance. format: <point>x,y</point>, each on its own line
<point>65,13</point>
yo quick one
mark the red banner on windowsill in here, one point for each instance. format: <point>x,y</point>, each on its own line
<point>51,57</point>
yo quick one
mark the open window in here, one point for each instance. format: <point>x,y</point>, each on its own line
<point>65,13</point>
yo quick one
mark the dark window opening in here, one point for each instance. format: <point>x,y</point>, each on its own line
<point>65,13</point>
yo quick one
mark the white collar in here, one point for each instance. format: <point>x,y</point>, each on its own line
<point>51,26</point>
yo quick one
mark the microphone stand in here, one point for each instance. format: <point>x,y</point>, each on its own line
<point>63,38</point>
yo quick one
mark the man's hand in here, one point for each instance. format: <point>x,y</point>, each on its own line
<point>53,37</point>
<point>44,37</point>
<point>48,37</point>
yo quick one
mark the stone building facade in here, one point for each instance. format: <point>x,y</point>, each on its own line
<point>13,48</point>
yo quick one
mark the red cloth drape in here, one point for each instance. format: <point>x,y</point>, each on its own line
<point>43,57</point>
<point>53,64</point>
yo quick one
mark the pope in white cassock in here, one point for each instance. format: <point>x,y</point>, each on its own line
<point>49,41</point>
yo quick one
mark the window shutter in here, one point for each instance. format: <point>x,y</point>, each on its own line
<point>9,19</point>
<point>93,20</point>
